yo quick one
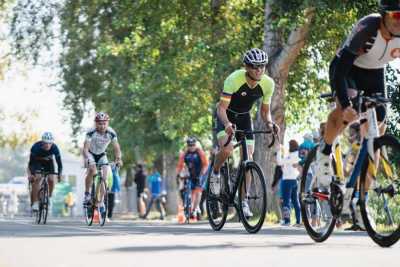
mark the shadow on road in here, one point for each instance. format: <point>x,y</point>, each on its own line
<point>144,249</point>
<point>54,228</point>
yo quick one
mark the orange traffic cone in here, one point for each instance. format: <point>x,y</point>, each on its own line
<point>96,216</point>
<point>181,215</point>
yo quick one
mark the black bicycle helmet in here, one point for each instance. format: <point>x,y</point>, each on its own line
<point>255,57</point>
<point>190,141</point>
<point>389,5</point>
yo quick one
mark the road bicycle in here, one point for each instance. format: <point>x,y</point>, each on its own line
<point>247,185</point>
<point>377,170</point>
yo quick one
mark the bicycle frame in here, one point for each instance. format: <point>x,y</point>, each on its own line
<point>100,175</point>
<point>366,150</point>
<point>231,194</point>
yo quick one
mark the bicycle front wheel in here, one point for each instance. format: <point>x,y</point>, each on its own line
<point>314,201</point>
<point>253,197</point>
<point>88,208</point>
<point>44,202</point>
<point>380,192</point>
<point>103,210</point>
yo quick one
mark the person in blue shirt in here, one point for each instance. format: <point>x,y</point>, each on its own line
<point>41,159</point>
<point>155,182</point>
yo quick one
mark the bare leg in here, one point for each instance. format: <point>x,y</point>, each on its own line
<point>222,154</point>
<point>196,196</point>
<point>51,185</point>
<point>91,171</point>
<point>250,151</point>
<point>35,187</point>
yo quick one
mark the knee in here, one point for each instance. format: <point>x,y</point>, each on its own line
<point>226,151</point>
<point>91,171</point>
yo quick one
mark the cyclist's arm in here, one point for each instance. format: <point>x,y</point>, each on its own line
<point>180,165</point>
<point>117,150</point>
<point>342,69</point>
<point>204,162</point>
<point>85,151</point>
<point>265,113</point>
<point>221,112</point>
<point>28,171</point>
<point>57,155</point>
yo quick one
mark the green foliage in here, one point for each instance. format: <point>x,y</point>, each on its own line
<point>158,68</point>
<point>393,87</point>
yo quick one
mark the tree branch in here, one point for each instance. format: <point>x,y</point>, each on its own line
<point>294,44</point>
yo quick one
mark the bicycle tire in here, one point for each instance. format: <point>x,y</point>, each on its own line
<point>45,203</point>
<point>38,214</point>
<point>215,206</point>
<point>103,215</point>
<point>90,207</point>
<point>379,238</point>
<point>187,205</point>
<point>316,236</point>
<point>253,167</point>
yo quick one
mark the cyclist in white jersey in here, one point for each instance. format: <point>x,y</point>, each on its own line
<point>94,150</point>
<point>359,65</point>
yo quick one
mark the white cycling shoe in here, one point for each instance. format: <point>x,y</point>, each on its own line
<point>246,209</point>
<point>324,172</point>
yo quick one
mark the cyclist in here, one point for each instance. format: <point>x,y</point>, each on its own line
<point>242,89</point>
<point>359,65</point>
<point>41,158</point>
<point>196,162</point>
<point>94,152</point>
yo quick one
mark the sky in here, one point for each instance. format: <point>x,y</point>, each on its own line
<point>28,90</point>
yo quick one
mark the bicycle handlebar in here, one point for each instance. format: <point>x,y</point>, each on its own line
<point>252,132</point>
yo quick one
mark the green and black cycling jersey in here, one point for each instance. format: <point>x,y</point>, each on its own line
<point>241,99</point>
<point>240,96</point>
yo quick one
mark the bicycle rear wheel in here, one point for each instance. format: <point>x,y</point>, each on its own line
<point>253,191</point>
<point>380,197</point>
<point>217,209</point>
<point>315,208</point>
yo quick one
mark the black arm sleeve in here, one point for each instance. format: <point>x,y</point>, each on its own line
<point>59,164</point>
<point>342,69</point>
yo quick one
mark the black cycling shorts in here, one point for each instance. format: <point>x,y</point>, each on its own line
<point>39,165</point>
<point>242,122</point>
<point>371,81</point>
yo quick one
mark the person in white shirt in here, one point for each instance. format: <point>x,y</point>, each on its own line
<point>290,173</point>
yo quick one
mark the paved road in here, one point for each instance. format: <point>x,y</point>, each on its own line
<point>64,243</point>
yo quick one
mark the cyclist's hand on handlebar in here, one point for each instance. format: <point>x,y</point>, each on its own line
<point>349,115</point>
<point>229,129</point>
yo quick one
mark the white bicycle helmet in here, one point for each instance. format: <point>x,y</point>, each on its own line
<point>255,57</point>
<point>47,137</point>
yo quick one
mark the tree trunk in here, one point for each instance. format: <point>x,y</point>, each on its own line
<point>282,55</point>
<point>169,175</point>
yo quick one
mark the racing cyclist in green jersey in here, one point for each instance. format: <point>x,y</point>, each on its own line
<point>242,89</point>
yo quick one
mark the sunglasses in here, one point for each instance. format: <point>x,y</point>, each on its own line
<point>255,67</point>
<point>394,14</point>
